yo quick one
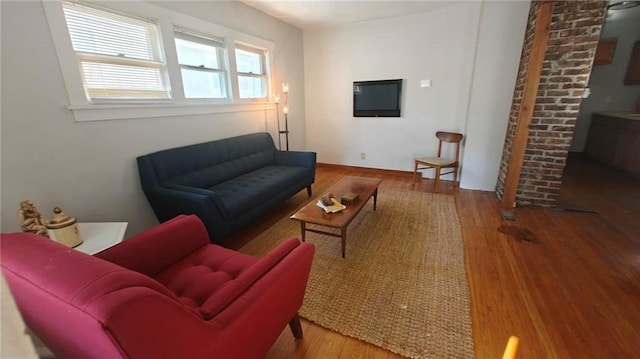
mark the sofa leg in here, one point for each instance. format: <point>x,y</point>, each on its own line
<point>309,190</point>
<point>296,327</point>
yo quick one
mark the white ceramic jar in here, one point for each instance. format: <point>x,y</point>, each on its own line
<point>64,229</point>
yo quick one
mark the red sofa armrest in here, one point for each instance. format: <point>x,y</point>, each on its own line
<point>160,247</point>
<point>255,319</point>
<point>234,288</point>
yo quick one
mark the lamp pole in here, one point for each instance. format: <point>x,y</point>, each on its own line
<point>276,99</point>
<point>285,111</point>
<point>286,131</point>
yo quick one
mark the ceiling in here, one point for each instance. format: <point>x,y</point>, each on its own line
<point>309,14</point>
<point>616,15</point>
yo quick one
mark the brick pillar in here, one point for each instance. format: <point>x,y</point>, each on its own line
<point>573,37</point>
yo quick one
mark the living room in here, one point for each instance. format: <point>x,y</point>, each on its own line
<point>470,93</point>
<point>469,52</point>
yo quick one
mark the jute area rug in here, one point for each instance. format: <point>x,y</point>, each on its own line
<point>402,285</point>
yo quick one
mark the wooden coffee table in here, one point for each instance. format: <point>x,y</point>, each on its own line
<point>312,214</point>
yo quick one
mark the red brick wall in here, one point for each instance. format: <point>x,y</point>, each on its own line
<point>573,37</point>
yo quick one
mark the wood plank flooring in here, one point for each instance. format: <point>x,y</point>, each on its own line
<point>566,283</point>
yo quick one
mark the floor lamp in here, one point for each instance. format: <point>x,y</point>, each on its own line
<point>285,111</point>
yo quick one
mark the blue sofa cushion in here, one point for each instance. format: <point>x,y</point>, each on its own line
<point>213,174</point>
<point>206,164</point>
<point>252,189</point>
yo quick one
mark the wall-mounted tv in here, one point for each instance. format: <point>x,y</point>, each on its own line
<point>377,98</point>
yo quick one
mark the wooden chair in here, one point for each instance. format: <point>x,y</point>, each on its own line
<point>438,162</point>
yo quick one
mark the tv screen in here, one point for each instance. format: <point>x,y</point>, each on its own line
<point>377,98</point>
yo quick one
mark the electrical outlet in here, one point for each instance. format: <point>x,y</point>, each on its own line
<point>363,156</point>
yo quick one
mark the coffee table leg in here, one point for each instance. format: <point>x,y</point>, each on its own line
<point>343,232</point>
<point>375,198</point>
<point>303,228</point>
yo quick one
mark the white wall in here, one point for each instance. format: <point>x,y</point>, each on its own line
<point>500,36</point>
<point>608,91</point>
<point>89,168</point>
<point>439,45</point>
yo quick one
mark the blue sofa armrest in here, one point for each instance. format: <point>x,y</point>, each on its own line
<point>168,202</point>
<point>296,158</point>
<point>217,201</point>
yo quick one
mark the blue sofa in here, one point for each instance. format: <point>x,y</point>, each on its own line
<point>227,183</point>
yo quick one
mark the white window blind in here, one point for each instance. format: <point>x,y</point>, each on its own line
<point>251,69</point>
<point>119,56</point>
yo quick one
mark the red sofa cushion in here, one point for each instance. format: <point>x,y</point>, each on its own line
<point>200,275</point>
<point>212,277</point>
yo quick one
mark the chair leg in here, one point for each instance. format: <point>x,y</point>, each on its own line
<point>415,172</point>
<point>437,179</point>
<point>296,327</point>
<point>309,190</point>
<point>455,177</point>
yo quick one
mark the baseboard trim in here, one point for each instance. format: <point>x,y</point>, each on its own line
<point>358,168</point>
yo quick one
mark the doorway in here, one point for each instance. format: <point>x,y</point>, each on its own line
<point>587,185</point>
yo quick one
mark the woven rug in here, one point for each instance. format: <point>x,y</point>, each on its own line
<point>402,285</point>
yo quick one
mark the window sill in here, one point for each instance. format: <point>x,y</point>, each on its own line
<point>120,112</point>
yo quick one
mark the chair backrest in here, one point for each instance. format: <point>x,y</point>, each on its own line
<point>449,137</point>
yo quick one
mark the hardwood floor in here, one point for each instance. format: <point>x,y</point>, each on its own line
<point>566,283</point>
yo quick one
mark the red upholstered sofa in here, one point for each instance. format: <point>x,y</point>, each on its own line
<point>166,293</point>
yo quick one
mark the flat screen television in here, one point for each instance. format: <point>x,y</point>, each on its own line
<point>377,98</point>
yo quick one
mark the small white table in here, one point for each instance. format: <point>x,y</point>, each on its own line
<point>97,236</point>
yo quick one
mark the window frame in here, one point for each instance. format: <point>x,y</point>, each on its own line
<point>155,46</point>
<point>263,66</point>
<point>167,20</point>
<point>221,55</point>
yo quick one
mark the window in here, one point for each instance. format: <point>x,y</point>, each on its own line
<point>119,56</point>
<point>252,77</point>
<point>201,65</point>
